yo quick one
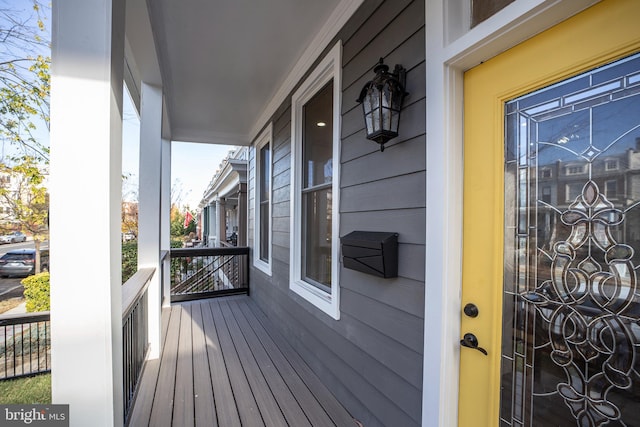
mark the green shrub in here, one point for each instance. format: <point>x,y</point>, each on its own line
<point>129,260</point>
<point>36,292</point>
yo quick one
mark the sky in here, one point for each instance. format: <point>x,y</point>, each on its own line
<point>192,164</point>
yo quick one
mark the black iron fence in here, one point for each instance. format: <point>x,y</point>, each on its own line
<point>135,333</point>
<point>208,272</point>
<point>25,344</point>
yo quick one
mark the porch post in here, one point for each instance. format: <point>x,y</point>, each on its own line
<point>213,231</point>
<point>85,189</point>
<point>149,204</point>
<point>221,221</point>
<point>165,220</point>
<point>242,214</point>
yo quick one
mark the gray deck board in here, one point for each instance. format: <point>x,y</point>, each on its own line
<point>271,413</point>
<point>225,403</point>
<point>247,406</point>
<point>329,403</point>
<point>293,413</point>
<point>162,409</point>
<point>308,402</point>
<point>205,411</point>
<point>223,365</point>
<point>183,397</point>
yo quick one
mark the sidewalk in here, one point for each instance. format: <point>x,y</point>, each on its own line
<point>22,308</point>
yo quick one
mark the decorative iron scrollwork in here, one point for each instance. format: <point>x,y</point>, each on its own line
<point>587,305</point>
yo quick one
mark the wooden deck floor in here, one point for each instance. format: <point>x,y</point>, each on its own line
<point>224,365</point>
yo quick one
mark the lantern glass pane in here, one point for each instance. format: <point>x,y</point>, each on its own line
<point>385,118</point>
<point>369,123</point>
<point>376,120</point>
<point>375,98</point>
<point>386,96</point>
<point>366,102</point>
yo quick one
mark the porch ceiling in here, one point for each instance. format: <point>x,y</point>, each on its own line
<point>222,61</point>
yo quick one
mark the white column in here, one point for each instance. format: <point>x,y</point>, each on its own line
<point>213,231</point>
<point>85,189</point>
<point>165,219</point>
<point>242,214</point>
<point>221,221</point>
<point>149,204</point>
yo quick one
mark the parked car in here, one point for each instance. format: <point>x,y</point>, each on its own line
<point>126,237</point>
<point>21,262</point>
<point>15,237</point>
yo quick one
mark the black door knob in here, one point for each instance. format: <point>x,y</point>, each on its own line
<point>471,341</point>
<point>471,310</point>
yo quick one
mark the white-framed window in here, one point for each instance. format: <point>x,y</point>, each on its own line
<point>263,200</point>
<point>611,165</point>
<point>573,190</point>
<point>575,169</point>
<point>315,187</point>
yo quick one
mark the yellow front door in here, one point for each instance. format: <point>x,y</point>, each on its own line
<point>550,333</point>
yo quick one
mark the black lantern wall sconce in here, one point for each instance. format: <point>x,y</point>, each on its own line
<point>381,100</point>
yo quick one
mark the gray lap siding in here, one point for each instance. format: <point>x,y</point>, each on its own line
<point>371,358</point>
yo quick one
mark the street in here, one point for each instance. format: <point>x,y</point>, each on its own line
<point>11,287</point>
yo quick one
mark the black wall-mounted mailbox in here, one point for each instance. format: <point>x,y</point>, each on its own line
<point>371,252</point>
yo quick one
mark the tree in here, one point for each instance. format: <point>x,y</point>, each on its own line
<point>26,200</point>
<point>24,105</point>
<point>130,217</point>
<point>24,78</point>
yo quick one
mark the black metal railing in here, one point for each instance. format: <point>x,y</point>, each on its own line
<point>135,333</point>
<point>208,272</point>
<point>25,344</point>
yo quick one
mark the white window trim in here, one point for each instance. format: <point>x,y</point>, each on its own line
<point>330,68</point>
<point>265,138</point>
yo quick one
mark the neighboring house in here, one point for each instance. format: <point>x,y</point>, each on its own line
<point>6,213</point>
<point>11,183</point>
<point>223,209</point>
<point>511,186</point>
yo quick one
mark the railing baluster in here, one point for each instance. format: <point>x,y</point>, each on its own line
<point>134,334</point>
<point>208,272</point>
<point>22,352</point>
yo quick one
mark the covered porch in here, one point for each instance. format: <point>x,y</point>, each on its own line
<point>223,364</point>
<point>226,72</point>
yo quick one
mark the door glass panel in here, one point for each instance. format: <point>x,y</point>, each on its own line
<point>571,339</point>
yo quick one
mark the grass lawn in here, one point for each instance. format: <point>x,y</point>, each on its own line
<point>28,390</point>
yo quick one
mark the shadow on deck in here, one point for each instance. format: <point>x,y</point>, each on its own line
<point>224,365</point>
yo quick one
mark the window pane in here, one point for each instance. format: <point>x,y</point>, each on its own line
<point>265,190</point>
<point>316,237</point>
<point>264,231</point>
<point>265,173</point>
<point>317,149</point>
